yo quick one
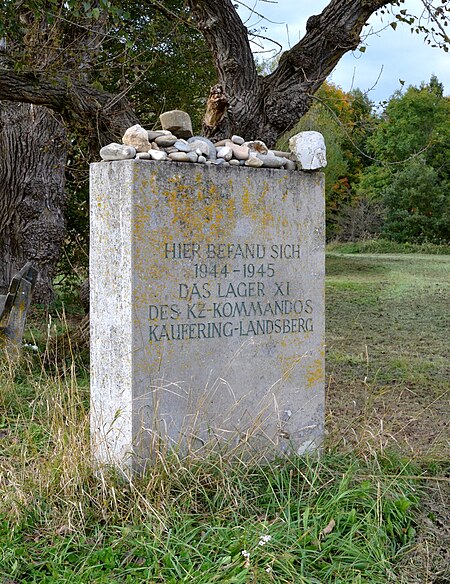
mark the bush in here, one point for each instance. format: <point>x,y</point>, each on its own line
<point>360,221</point>
<point>417,208</point>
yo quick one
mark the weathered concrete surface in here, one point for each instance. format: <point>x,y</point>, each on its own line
<point>207,309</point>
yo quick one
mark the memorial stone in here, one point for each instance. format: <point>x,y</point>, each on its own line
<point>207,310</point>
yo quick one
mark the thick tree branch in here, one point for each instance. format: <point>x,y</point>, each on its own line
<point>303,69</point>
<point>79,104</point>
<point>228,41</point>
<point>328,37</point>
<point>271,105</point>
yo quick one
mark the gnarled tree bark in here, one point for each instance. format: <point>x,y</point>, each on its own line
<point>33,152</point>
<point>104,115</point>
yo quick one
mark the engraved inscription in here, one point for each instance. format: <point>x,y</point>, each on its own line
<point>235,291</point>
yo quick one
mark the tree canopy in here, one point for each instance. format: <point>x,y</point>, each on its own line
<point>97,67</point>
<point>55,53</point>
<point>411,175</point>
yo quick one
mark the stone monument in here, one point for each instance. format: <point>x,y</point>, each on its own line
<point>207,309</point>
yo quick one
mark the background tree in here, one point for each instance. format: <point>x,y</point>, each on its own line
<point>33,155</point>
<point>412,175</point>
<point>346,120</point>
<point>417,205</point>
<point>54,53</point>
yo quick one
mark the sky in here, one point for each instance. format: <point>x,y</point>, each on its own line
<point>390,54</point>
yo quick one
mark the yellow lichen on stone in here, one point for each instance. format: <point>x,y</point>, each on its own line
<point>198,208</point>
<point>289,365</point>
<point>315,373</point>
<point>255,207</point>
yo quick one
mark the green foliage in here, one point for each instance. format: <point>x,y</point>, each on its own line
<point>381,246</point>
<point>373,182</point>
<point>412,177</point>
<point>412,123</point>
<point>345,120</point>
<point>165,62</point>
<point>417,207</point>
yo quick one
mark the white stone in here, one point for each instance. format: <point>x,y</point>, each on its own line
<point>182,146</point>
<point>200,147</point>
<point>225,152</point>
<point>211,152</point>
<point>116,151</point>
<point>143,156</point>
<point>309,149</point>
<point>239,152</point>
<point>137,137</point>
<point>254,162</point>
<point>178,122</point>
<point>158,154</point>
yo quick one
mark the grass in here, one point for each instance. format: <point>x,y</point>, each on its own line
<point>330,519</point>
<point>381,246</point>
<point>372,508</point>
<point>388,320</point>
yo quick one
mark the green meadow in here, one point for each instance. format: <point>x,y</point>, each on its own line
<point>372,508</point>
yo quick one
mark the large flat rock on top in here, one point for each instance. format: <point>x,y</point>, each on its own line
<point>207,309</point>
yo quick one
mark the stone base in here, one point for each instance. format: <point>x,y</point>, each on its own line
<point>207,309</point>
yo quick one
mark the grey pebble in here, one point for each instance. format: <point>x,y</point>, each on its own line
<point>211,148</point>
<point>179,157</point>
<point>166,140</point>
<point>182,146</point>
<point>237,140</point>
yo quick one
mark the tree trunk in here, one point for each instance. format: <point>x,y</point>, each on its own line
<point>33,154</point>
<point>266,107</point>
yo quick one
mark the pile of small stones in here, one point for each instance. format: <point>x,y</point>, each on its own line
<point>176,142</point>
